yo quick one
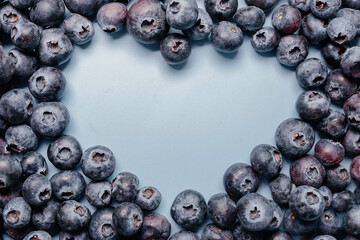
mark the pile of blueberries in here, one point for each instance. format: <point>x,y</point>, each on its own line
<point>313,202</point>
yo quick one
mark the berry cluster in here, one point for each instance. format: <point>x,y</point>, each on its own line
<point>313,202</point>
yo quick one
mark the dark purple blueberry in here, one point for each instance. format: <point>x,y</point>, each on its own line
<point>17,234</point>
<point>296,226</point>
<point>25,36</point>
<point>343,201</point>
<point>352,221</point>
<point>25,63</point>
<point>36,190</point>
<point>10,171</point>
<point>350,63</point>
<point>148,198</point>
<point>222,210</point>
<point>73,216</point>
<point>312,106</point>
<point>314,29</point>
<point>101,226</point>
<point>330,222</point>
<point>44,217</point>
<point>341,30</point>
<point>38,235</point>
<point>279,235</point>
<point>266,161</point>
<point>47,13</point>
<point>307,203</point>
<point>9,16</point>
<point>226,37</point>
<point>55,47</point>
<point>307,171</point>
<point>175,49</point>
<point>302,5</point>
<point>337,178</point>
<point>84,7</point>
<point>155,226</point>
<point>281,189</point>
<point>250,18</point>
<point>50,119</point>
<point>263,4</point>
<point>189,209</point>
<point>239,180</point>
<point>184,235</point>
<point>65,152</point>
<point>6,194</point>
<point>111,17</point>
<point>294,138</point>
<point>47,84</point>
<point>352,110</point>
<point>211,231</point>
<point>355,168</point>
<point>286,19</point>
<point>21,138</point>
<point>351,142</point>
<point>202,27</point>
<point>83,235</point>
<point>127,218</point>
<point>339,87</point>
<point>351,14</point>
<point>98,163</point>
<point>68,185</point>
<point>124,187</point>
<point>278,217</point>
<point>16,106</point>
<point>327,195</point>
<point>22,4</point>
<point>33,163</point>
<point>292,50</point>
<point>239,233</point>
<point>311,73</point>
<point>324,8</point>
<point>146,21</point>
<point>254,212</point>
<point>334,125</point>
<point>332,54</point>
<point>221,9</point>
<point>265,39</point>
<point>78,28</point>
<point>98,194</point>
<point>324,237</point>
<point>182,14</point>
<point>17,213</point>
<point>329,152</point>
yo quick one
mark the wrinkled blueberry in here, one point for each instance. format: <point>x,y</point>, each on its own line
<point>292,50</point>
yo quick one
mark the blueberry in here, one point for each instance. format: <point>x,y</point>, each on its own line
<point>329,152</point>
<point>36,190</point>
<point>330,222</point>
<point>324,237</point>
<point>281,189</point>
<point>83,235</point>
<point>303,6</point>
<point>221,9</point>
<point>47,13</point>
<point>351,142</point>
<point>339,87</point>
<point>239,233</point>
<point>101,226</point>
<point>17,213</point>
<point>25,63</point>
<point>44,217</point>
<point>112,17</point>
<point>65,152</point>
<point>266,161</point>
<point>25,36</point>
<point>39,235</point>
<point>22,4</point>
<point>124,187</point>
<point>279,235</point>
<point>68,185</point>
<point>327,195</point>
<point>239,180</point>
<point>265,39</point>
<point>352,110</point>
<point>286,19</point>
<point>307,171</point>
<point>10,171</point>
<point>334,125</point>
<point>17,234</point>
<point>78,28</point>
<point>341,30</point>
<point>175,49</point>
<point>350,63</point>
<point>337,178</point>
<point>314,29</point>
<point>182,14</point>
<point>98,163</point>
<point>332,54</point>
<point>343,201</point>
<point>351,14</point>
<point>278,217</point>
<point>352,221</point>
<point>184,235</point>
<point>47,84</point>
<point>226,37</point>
<point>16,106</point>
<point>202,27</point>
<point>354,4</point>
<point>292,50</point>
<point>211,231</point>
<point>127,218</point>
<point>296,226</point>
<point>294,138</point>
<point>55,47</point>
<point>355,168</point>
<point>324,8</point>
<point>264,5</point>
<point>50,119</point>
<point>146,21</point>
<point>311,73</point>
<point>250,18</point>
<point>98,194</point>
<point>84,7</point>
<point>222,210</point>
<point>155,226</point>
<point>73,216</point>
<point>21,138</point>
<point>189,209</point>
<point>9,16</point>
<point>6,194</point>
<point>254,212</point>
<point>148,198</point>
